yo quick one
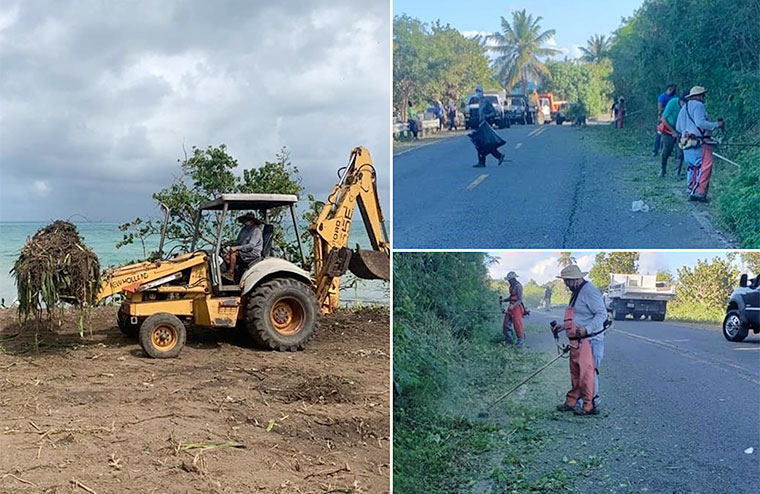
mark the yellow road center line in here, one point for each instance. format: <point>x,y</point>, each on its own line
<point>748,348</point>
<point>543,129</point>
<point>517,146</point>
<point>476,182</point>
<point>534,131</point>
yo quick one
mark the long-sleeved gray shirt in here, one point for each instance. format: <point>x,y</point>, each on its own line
<point>249,243</point>
<point>698,123</point>
<point>590,311</point>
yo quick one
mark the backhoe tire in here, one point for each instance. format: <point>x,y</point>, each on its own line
<point>282,315</point>
<point>127,328</point>
<point>733,328</point>
<point>162,335</point>
<point>659,316</point>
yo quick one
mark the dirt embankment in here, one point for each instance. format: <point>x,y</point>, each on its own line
<point>97,414</point>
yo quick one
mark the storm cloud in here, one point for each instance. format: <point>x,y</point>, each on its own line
<point>97,99</point>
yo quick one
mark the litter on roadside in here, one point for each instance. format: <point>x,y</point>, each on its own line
<point>639,206</point>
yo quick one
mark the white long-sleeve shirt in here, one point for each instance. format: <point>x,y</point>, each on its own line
<point>698,120</point>
<point>590,311</point>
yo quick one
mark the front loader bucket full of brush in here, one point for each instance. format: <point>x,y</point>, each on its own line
<point>370,264</point>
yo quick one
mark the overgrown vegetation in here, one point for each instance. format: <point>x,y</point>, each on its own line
<point>447,365</point>
<point>711,44</point>
<point>702,292</point>
<point>586,85</point>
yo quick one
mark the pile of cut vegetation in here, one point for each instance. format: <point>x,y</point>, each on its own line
<point>54,267</point>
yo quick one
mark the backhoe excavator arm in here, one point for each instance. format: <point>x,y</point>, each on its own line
<point>332,227</point>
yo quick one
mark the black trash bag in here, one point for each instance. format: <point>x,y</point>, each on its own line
<point>486,139</point>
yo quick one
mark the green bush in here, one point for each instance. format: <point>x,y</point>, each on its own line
<point>740,204</point>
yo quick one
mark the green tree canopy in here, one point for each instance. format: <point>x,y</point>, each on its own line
<point>706,287</point>
<point>204,175</point>
<point>435,62</point>
<point>612,263</point>
<point>520,46</point>
<point>584,83</point>
<point>597,49</point>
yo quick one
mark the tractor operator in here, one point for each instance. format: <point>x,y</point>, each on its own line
<point>584,323</point>
<point>248,245</point>
<point>514,311</point>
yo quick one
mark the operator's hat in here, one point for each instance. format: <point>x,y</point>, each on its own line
<point>478,88</point>
<point>248,216</point>
<point>696,91</point>
<point>572,272</point>
<point>511,275</point>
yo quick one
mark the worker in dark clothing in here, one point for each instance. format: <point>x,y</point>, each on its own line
<point>486,140</point>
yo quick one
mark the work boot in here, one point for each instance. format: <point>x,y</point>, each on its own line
<point>520,342</point>
<point>501,160</point>
<point>565,408</point>
<point>479,165</point>
<point>583,413</point>
<point>662,173</point>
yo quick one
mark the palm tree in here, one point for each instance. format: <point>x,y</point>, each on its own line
<point>597,48</point>
<point>519,46</point>
<point>566,259</point>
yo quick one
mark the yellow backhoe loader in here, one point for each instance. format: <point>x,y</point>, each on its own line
<point>276,301</point>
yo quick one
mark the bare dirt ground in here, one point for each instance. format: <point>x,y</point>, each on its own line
<point>97,415</point>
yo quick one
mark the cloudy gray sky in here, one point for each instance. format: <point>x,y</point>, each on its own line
<point>97,98</point>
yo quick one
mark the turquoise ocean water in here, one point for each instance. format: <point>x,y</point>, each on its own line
<point>102,238</point>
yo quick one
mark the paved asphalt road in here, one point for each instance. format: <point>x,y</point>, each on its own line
<point>680,407</point>
<point>557,192</point>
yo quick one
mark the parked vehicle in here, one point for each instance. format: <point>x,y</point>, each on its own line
<point>472,118</point>
<point>638,295</point>
<point>743,311</point>
<point>519,110</point>
<point>549,106</point>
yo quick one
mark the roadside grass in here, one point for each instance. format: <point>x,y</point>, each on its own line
<point>693,313</point>
<point>734,192</point>
<point>445,446</point>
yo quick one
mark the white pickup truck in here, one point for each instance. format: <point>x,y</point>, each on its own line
<point>638,295</point>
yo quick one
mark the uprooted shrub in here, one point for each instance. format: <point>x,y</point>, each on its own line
<point>55,267</point>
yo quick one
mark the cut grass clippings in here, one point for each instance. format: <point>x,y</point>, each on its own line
<point>443,447</point>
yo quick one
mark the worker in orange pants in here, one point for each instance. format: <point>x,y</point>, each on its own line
<point>582,326</point>
<point>515,310</point>
<point>700,179</point>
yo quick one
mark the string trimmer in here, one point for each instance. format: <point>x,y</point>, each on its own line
<point>561,352</point>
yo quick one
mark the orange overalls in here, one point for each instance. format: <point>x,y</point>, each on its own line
<point>700,180</point>
<point>516,315</point>
<point>581,364</point>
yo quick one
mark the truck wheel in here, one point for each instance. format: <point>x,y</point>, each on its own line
<point>733,329</point>
<point>126,327</point>
<point>162,335</point>
<point>659,316</point>
<point>617,314</point>
<point>282,315</point>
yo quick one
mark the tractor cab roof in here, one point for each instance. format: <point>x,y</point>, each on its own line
<point>238,202</point>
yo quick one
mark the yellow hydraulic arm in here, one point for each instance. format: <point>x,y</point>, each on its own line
<point>132,277</point>
<point>331,229</point>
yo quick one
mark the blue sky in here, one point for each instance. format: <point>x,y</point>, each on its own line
<point>574,20</point>
<point>542,266</point>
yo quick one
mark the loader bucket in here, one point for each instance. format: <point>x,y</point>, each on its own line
<point>370,265</point>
